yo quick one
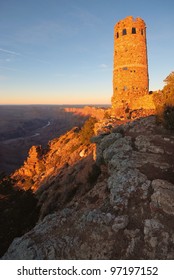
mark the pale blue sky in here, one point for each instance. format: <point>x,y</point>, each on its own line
<point>61,51</point>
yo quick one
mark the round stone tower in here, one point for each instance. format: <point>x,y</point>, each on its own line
<point>130,71</point>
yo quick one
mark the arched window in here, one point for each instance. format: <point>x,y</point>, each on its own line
<point>124,32</point>
<point>133,30</point>
<point>117,35</point>
<point>142,32</point>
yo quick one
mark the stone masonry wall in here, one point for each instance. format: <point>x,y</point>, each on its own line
<point>130,73</point>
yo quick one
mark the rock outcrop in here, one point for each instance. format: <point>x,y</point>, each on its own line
<point>44,166</point>
<point>95,112</point>
<point>117,205</point>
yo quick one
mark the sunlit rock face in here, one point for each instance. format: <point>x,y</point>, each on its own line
<point>117,205</point>
<point>130,69</point>
<point>43,166</point>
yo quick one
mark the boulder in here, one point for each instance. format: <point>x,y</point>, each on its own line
<point>126,183</point>
<point>163,196</point>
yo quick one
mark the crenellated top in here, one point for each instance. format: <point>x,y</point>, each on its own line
<point>129,26</point>
<point>130,21</point>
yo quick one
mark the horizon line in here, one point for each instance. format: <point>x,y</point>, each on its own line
<point>57,104</point>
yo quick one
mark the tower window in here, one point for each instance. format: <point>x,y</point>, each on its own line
<point>125,68</point>
<point>117,35</point>
<point>133,30</point>
<point>124,32</point>
<point>142,32</point>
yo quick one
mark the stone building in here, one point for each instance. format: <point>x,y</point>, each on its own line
<point>130,70</point>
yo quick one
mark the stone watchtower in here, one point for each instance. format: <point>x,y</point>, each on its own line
<point>130,73</point>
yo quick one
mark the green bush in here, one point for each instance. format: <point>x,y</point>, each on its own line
<point>107,114</point>
<point>87,130</point>
<point>164,102</point>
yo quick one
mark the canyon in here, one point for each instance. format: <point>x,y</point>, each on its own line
<point>109,198</point>
<point>24,126</point>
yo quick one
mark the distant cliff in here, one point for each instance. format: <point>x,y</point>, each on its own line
<point>112,198</point>
<point>92,111</point>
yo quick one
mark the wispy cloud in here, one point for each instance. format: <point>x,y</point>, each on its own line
<point>7,57</point>
<point>11,56</point>
<point>103,66</point>
<point>9,52</point>
<point>45,32</point>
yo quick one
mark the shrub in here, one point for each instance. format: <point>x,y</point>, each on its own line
<point>164,102</point>
<point>168,116</point>
<point>87,130</point>
<point>107,114</point>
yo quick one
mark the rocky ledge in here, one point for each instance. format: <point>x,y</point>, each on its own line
<point>127,213</point>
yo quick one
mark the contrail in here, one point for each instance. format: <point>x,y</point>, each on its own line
<point>10,52</point>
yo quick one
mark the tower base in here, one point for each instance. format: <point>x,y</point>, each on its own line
<point>126,107</point>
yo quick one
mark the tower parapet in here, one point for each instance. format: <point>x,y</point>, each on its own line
<point>130,69</point>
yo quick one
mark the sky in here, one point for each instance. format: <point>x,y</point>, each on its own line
<point>61,51</point>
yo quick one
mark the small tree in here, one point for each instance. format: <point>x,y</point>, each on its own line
<point>164,102</point>
<point>87,130</point>
<point>169,87</point>
<point>107,114</point>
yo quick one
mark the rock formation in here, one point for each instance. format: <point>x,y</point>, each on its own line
<point>44,166</point>
<point>118,205</point>
<point>92,111</point>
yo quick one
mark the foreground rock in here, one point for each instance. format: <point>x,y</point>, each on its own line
<point>125,211</point>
